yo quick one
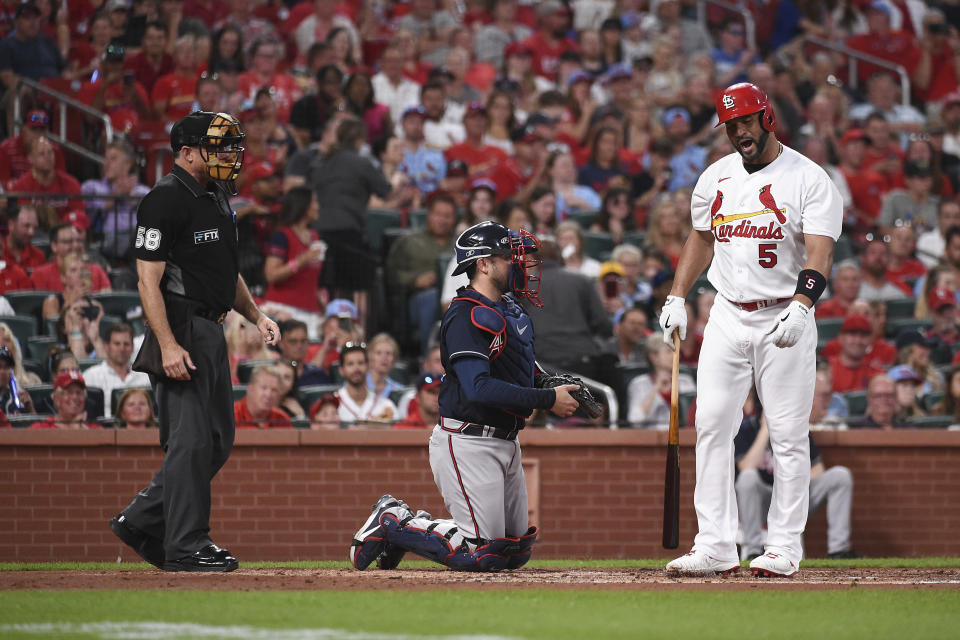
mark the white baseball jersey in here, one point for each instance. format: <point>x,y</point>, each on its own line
<point>759,219</point>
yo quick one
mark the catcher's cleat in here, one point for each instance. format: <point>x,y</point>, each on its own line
<point>390,557</point>
<point>370,541</point>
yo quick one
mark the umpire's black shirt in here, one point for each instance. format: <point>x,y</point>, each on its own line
<point>193,229</point>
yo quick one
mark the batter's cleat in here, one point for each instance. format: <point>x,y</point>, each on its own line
<point>699,564</point>
<point>371,541</point>
<point>773,565</point>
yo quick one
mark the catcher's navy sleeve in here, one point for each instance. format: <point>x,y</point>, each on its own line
<point>482,388</point>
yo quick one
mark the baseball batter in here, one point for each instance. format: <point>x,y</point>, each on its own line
<point>487,350</point>
<point>768,217</point>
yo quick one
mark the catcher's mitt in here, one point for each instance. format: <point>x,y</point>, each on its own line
<point>589,407</point>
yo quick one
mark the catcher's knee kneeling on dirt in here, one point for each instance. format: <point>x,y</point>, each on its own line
<point>442,542</point>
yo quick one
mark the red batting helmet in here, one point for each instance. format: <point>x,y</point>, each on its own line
<point>742,99</point>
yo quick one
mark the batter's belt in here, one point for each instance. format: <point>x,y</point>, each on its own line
<point>472,429</point>
<point>757,304</point>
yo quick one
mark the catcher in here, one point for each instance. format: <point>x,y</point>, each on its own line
<point>490,388</point>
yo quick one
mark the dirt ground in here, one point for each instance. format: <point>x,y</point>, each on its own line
<point>413,579</point>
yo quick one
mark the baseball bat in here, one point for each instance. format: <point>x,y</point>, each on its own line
<point>671,482</point>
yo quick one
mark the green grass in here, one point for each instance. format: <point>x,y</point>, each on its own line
<point>643,563</point>
<point>530,613</point>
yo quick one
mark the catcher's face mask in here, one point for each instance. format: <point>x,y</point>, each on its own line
<point>525,270</point>
<point>221,148</point>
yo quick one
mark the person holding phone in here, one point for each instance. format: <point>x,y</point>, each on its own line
<point>79,328</point>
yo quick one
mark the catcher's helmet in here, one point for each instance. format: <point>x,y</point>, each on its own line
<point>493,239</point>
<point>742,99</point>
<point>219,137</point>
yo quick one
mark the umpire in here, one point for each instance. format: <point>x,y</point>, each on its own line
<point>187,265</point>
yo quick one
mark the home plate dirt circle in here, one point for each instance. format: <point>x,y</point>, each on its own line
<point>415,579</point>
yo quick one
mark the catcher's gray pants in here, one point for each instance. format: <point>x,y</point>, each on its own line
<point>834,486</point>
<point>196,433</point>
<point>482,483</point>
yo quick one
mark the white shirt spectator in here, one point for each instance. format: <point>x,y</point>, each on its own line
<point>397,98</point>
<point>930,247</point>
<point>306,32</point>
<point>372,407</point>
<point>105,377</point>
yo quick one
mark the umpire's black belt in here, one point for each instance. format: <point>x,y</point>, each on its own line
<point>209,314</point>
<point>473,429</point>
<point>193,307</point>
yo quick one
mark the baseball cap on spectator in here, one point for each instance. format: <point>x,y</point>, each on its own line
<point>114,53</point>
<point>77,219</point>
<point>605,111</point>
<point>327,398</point>
<point>116,5</point>
<point>456,168</point>
<point>951,98</point>
<point>66,378</point>
<point>428,380</point>
<point>259,171</point>
<point>414,110</point>
<point>664,275</point>
<point>611,24</point>
<point>612,267</point>
<point>917,169</point>
<point>341,306</point>
<point>852,135</point>
<point>579,76</point>
<point>526,133</point>
<point>437,72</point>
<point>856,323</point>
<point>538,118</point>
<point>25,7</point>
<point>617,72</point>
<point>673,113</point>
<point>6,356</point>
<point>475,108</point>
<point>879,5</point>
<point>484,183</point>
<point>940,297</point>
<point>629,19</point>
<point>909,337</point>
<point>507,85</point>
<point>903,373</point>
<point>517,49</point>
<point>549,8</point>
<point>642,63</point>
<point>37,119</point>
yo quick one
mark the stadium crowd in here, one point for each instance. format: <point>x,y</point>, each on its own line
<point>376,131</point>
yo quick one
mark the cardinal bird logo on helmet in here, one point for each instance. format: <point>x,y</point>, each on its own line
<point>766,199</point>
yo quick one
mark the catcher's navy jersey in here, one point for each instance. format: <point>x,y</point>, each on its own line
<point>486,348</point>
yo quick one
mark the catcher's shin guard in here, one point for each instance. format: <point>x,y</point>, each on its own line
<point>442,542</point>
<point>369,542</point>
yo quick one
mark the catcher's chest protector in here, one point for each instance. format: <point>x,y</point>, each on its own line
<point>511,339</point>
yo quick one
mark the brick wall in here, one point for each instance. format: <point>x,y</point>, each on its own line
<point>287,495</point>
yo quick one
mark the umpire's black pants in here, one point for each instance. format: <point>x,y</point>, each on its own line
<point>196,433</point>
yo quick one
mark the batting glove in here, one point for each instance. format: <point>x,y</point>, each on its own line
<point>673,316</point>
<point>789,325</point>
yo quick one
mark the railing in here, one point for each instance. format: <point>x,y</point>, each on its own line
<point>854,56</point>
<point>64,101</point>
<point>748,22</point>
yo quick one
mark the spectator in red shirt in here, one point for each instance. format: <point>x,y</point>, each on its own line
<point>479,157</point>
<point>850,369</point>
<point>259,408</point>
<point>152,61</point>
<point>85,54</point>
<point>206,11</point>
<point>173,94</point>
<point>519,176</point>
<point>17,246</point>
<point>866,186</point>
<point>935,76</point>
<point>424,409</point>
<point>550,40</point>
<point>69,399</point>
<point>13,150</point>
<point>942,303</point>
<point>295,257</point>
<point>44,177</point>
<point>845,285</point>
<point>903,266</point>
<point>264,56</point>
<point>117,91</point>
<point>898,47</point>
<point>66,239</point>
<point>881,354</point>
<point>883,153</point>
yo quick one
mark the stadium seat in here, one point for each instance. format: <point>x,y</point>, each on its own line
<point>27,303</point>
<point>37,347</point>
<point>312,393</point>
<point>684,402</point>
<point>902,308</point>
<point>23,327</point>
<point>417,219</point>
<point>117,303</point>
<point>398,394</point>
<point>245,368</point>
<point>24,420</point>
<point>300,423</point>
<point>583,218</point>
<point>597,244</point>
<point>828,329</point>
<point>378,221</point>
<point>930,422</point>
<point>896,326</point>
<point>930,400</point>
<point>627,372</point>
<point>857,402</point>
<point>942,354</point>
<point>843,249</point>
<point>239,390</point>
<point>400,372</point>
<point>40,395</point>
<point>636,238</point>
<point>37,366</point>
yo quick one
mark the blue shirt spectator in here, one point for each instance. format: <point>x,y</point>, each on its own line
<point>28,53</point>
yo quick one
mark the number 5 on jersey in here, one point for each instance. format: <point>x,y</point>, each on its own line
<point>150,239</point>
<point>768,255</point>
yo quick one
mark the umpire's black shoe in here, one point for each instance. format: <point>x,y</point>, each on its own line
<point>211,558</point>
<point>147,547</point>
